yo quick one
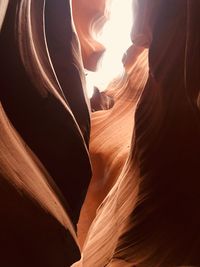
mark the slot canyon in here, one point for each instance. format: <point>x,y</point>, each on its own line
<point>100,133</point>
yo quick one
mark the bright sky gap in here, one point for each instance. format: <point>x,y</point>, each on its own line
<point>116,38</point>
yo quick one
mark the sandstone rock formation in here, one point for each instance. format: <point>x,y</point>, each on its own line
<point>142,204</point>
<point>150,216</point>
<point>45,126</point>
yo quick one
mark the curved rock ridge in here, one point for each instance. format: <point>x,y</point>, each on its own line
<point>150,216</point>
<point>45,128</point>
<point>89,19</point>
<point>36,229</point>
<point>56,127</point>
<point>110,143</point>
<point>142,205</point>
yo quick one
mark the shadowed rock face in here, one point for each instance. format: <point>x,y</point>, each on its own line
<point>42,97</point>
<point>35,228</point>
<point>49,127</point>
<point>167,141</point>
<point>29,235</point>
<point>66,58</point>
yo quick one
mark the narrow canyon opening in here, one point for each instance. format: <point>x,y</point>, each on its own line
<point>115,36</point>
<point>106,181</point>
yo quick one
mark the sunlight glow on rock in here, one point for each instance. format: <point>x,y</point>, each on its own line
<point>116,38</point>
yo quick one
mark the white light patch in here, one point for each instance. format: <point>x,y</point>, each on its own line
<point>116,38</point>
